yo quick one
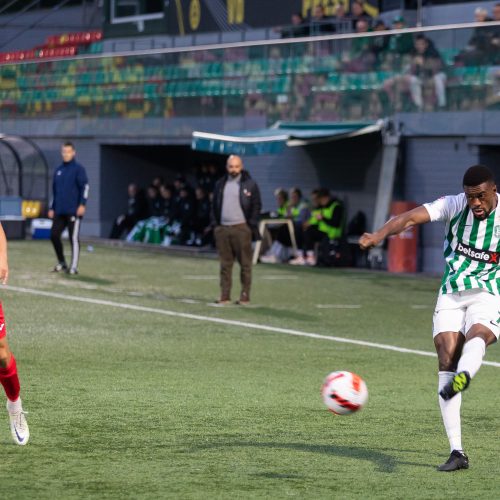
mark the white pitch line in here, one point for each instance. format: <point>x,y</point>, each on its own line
<point>244,324</point>
<point>201,277</point>
<point>279,277</point>
<point>338,306</point>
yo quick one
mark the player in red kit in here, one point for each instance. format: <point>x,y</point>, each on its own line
<point>8,369</point>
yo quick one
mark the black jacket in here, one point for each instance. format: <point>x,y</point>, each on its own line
<point>249,200</point>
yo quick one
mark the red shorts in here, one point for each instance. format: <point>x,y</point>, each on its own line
<point>3,330</point>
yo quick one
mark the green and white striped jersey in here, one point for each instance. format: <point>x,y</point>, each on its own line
<point>471,246</point>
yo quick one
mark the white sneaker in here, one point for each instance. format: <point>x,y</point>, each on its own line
<point>310,260</point>
<point>19,427</point>
<point>298,261</point>
<point>269,259</point>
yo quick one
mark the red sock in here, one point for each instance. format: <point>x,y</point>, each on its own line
<point>10,380</point>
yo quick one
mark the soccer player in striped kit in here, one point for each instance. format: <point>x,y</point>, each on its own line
<point>467,314</point>
<point>8,368</point>
<point>70,193</point>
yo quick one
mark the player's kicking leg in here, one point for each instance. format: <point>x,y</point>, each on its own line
<point>449,346</point>
<point>10,382</point>
<point>477,339</point>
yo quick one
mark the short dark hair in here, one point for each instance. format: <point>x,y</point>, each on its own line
<point>477,174</point>
<point>323,192</point>
<point>68,144</point>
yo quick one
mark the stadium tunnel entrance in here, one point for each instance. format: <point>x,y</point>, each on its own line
<point>122,164</point>
<point>350,167</point>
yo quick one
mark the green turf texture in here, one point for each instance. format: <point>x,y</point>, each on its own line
<point>126,404</point>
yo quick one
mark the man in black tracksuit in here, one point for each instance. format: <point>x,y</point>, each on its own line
<point>70,193</point>
<point>235,215</point>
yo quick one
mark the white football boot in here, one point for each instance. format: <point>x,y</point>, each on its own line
<point>18,426</point>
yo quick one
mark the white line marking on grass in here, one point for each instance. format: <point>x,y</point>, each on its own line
<point>201,277</point>
<point>243,324</point>
<point>338,306</point>
<point>279,277</point>
<point>189,301</point>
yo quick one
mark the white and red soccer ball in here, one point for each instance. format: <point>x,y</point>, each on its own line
<point>344,392</point>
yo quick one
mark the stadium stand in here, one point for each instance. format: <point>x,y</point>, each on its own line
<point>64,45</point>
<point>297,81</point>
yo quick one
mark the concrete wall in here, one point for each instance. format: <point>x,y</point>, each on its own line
<point>434,168</point>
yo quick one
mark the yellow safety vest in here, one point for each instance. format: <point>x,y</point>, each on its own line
<point>295,211</point>
<point>282,211</point>
<point>333,232</point>
<point>313,221</point>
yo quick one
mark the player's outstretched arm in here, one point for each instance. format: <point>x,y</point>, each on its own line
<point>396,225</point>
<point>4,266</point>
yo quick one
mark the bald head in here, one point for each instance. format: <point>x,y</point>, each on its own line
<point>234,165</point>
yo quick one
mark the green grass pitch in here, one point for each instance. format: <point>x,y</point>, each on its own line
<point>137,404</point>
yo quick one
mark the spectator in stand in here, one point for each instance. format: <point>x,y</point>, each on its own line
<point>476,52</point>
<point>340,14</point>
<point>496,12</point>
<point>357,13</point>
<point>400,43</point>
<point>425,64</point>
<point>494,49</point>
<point>201,225</point>
<point>297,27</point>
<point>481,15</point>
<point>326,222</point>
<point>361,56</point>
<point>137,209</point>
<point>379,44</point>
<point>320,23</point>
<point>154,202</point>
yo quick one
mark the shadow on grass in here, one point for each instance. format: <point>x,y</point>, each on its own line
<point>384,462</point>
<point>88,279</point>
<point>281,313</point>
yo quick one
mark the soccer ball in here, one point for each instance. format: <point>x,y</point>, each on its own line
<point>344,392</point>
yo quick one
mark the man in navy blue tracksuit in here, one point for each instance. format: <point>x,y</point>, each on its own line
<point>70,193</point>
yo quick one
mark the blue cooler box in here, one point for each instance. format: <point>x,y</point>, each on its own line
<point>40,229</point>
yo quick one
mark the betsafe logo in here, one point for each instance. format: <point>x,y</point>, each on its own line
<point>477,254</point>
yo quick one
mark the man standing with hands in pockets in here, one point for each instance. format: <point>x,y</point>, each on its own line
<point>236,207</point>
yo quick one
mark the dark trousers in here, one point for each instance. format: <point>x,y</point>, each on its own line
<point>121,224</point>
<point>312,235</point>
<point>283,235</point>
<point>234,243</point>
<point>59,224</point>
